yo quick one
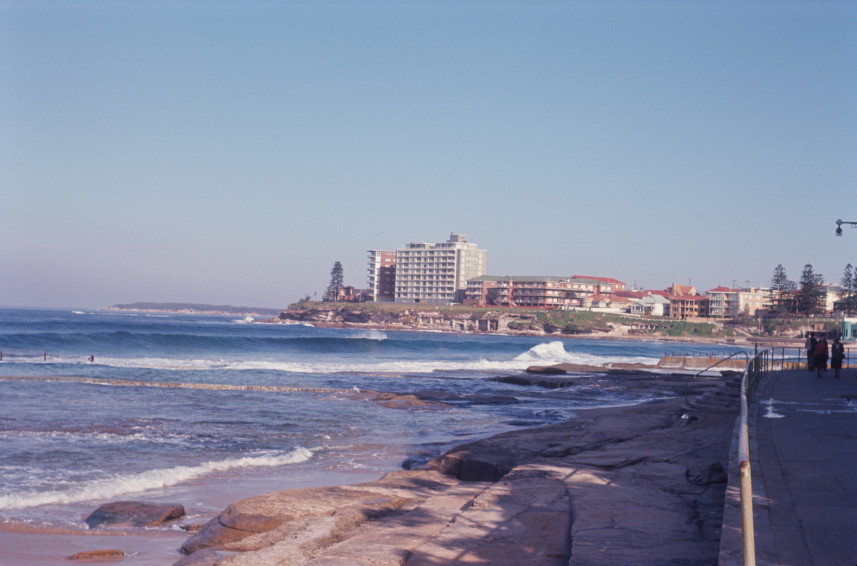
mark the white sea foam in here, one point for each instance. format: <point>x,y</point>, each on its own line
<point>554,352</point>
<point>546,353</point>
<point>123,484</point>
<point>368,335</point>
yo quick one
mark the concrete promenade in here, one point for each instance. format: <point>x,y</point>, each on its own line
<point>803,443</point>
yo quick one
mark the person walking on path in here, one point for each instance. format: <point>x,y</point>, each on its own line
<point>821,355</point>
<point>837,354</point>
<point>811,343</point>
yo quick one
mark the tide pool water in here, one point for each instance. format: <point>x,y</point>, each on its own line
<point>99,406</point>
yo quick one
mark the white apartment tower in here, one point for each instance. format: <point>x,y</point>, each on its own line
<point>437,273</point>
<point>382,275</point>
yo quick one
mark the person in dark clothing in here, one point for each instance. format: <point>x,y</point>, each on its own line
<point>811,343</point>
<point>837,354</point>
<point>821,355</point>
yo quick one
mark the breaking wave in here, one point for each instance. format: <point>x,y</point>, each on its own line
<point>124,484</point>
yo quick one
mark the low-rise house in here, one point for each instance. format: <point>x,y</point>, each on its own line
<point>619,303</point>
<point>651,305</point>
<point>350,294</point>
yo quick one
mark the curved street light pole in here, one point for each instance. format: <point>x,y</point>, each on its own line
<point>839,224</point>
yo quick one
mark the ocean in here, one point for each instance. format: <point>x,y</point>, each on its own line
<point>99,406</point>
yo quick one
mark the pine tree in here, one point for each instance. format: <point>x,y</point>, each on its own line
<point>782,287</point>
<point>780,281</point>
<point>811,291</point>
<point>336,281</point>
<point>849,286</point>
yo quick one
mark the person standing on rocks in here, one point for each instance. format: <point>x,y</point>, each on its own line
<point>837,354</point>
<point>821,355</point>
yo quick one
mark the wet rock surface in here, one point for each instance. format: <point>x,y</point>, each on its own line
<point>98,555</point>
<point>133,514</point>
<point>637,485</point>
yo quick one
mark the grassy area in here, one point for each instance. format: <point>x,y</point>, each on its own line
<point>678,328</point>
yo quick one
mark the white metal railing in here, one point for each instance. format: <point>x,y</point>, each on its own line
<point>753,374</point>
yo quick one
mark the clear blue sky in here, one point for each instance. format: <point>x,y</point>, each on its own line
<point>231,152</point>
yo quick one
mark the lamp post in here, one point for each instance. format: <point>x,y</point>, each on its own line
<point>839,224</point>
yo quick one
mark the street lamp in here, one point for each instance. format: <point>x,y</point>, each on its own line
<point>839,224</point>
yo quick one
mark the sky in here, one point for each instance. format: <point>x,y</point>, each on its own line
<point>229,152</point>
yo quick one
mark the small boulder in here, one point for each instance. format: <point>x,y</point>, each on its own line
<point>133,514</point>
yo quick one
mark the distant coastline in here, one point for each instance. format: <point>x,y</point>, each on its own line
<point>457,319</point>
<point>527,322</point>
<point>195,308</point>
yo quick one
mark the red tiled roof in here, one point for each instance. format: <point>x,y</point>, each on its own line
<point>681,289</point>
<point>605,279</point>
<point>722,289</point>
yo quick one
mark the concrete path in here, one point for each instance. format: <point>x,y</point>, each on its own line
<point>805,469</point>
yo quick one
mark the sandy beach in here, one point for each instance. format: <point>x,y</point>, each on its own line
<point>640,484</point>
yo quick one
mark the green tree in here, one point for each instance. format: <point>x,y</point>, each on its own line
<point>809,300</point>
<point>780,281</point>
<point>782,290</point>
<point>849,289</point>
<point>336,281</point>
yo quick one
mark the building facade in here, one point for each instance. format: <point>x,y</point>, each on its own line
<point>604,285</point>
<point>651,305</point>
<point>723,302</point>
<point>685,307</point>
<point>751,301</point>
<point>542,291</point>
<point>518,291</point>
<point>382,275</point>
<point>437,273</point>
<point>731,303</point>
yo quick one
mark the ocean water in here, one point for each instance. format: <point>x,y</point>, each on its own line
<point>99,406</point>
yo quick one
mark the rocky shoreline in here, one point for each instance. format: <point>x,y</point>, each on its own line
<point>643,484</point>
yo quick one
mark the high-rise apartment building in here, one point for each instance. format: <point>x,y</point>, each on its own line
<point>382,275</point>
<point>429,273</point>
<point>437,273</point>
